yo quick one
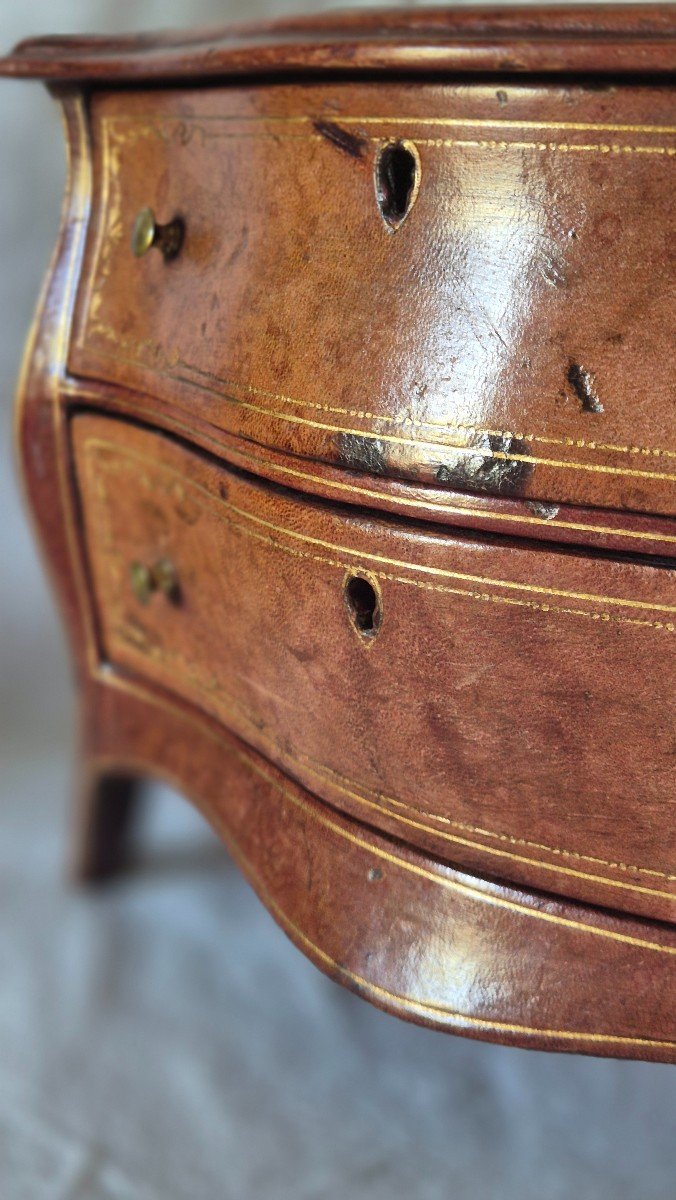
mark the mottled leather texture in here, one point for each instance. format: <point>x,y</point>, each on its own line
<point>359,503</point>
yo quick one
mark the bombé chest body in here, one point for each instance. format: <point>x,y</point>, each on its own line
<point>347,424</point>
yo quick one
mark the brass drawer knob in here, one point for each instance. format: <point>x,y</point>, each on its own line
<point>162,577</point>
<point>148,233</point>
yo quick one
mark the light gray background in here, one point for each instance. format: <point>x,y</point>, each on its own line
<point>163,1040</point>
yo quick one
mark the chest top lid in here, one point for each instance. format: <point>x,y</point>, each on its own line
<point>617,39</point>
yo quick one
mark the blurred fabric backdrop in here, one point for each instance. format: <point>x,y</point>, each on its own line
<point>161,1040</point>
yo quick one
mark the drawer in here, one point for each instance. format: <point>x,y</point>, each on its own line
<point>501,704</point>
<point>462,286</point>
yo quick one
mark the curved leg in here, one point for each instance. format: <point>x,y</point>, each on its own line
<point>103,825</point>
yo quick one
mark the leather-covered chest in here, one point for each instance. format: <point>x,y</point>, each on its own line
<point>347,421</point>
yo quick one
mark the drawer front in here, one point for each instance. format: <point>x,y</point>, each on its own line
<point>506,707</point>
<point>513,334</point>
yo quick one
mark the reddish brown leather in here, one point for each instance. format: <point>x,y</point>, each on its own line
<point>416,937</point>
<point>469,817</point>
<point>452,351</point>
<point>483,722</point>
<point>627,38</point>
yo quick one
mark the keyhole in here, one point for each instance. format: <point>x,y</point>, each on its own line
<point>397,179</point>
<point>364,604</point>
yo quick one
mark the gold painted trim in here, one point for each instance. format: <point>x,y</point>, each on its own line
<point>140,765</point>
<point>548,147</point>
<point>469,143</point>
<point>330,776</point>
<point>234,707</point>
<point>363,415</point>
<point>292,418</point>
<point>533,589</point>
<point>239,712</point>
<point>471,451</point>
<point>125,685</point>
<point>458,510</point>
<point>110,222</point>
<point>612,149</point>
<point>105,225</point>
<point>449,122</point>
<point>83,392</point>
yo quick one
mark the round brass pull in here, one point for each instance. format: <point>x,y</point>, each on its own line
<point>162,577</point>
<point>148,233</point>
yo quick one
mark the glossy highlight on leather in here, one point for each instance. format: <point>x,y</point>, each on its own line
<point>358,497</point>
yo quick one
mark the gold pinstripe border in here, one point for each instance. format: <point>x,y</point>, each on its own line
<point>472,451</point>
<point>121,684</point>
<point>458,510</point>
<point>426,1009</point>
<point>107,331</point>
<point>409,422</point>
<point>196,121</point>
<point>442,572</point>
<point>208,501</point>
<point>604,148</point>
<point>373,435</point>
<point>109,121</point>
<point>446,122</point>
<point>80,391</point>
<point>237,710</point>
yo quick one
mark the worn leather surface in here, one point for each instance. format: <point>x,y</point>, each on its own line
<point>606,39</point>
<point>482,720</point>
<point>513,336</point>
<point>411,934</point>
<point>524,297</point>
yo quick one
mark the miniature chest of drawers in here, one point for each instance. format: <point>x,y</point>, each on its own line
<point>346,422</point>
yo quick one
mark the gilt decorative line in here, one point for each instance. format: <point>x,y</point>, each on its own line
<point>261,465</point>
<point>169,371</point>
<point>344,564</point>
<point>104,460</point>
<point>112,230</point>
<point>410,119</point>
<point>388,806</point>
<point>188,127</point>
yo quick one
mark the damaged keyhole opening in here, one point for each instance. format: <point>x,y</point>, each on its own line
<point>397,180</point>
<point>364,604</point>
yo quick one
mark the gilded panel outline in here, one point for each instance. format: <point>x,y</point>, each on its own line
<point>535,589</point>
<point>106,679</point>
<point>428,1010</point>
<point>98,465</point>
<point>111,230</point>
<point>261,465</point>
